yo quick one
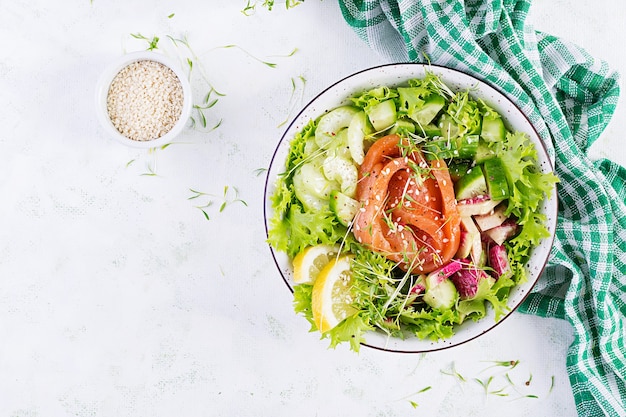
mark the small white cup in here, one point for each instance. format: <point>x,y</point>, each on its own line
<point>102,91</point>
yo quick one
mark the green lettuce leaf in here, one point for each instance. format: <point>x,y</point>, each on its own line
<point>465,112</point>
<point>352,329</point>
<point>302,303</point>
<point>370,98</point>
<point>431,324</point>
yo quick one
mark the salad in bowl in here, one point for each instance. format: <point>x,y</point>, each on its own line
<point>409,208</point>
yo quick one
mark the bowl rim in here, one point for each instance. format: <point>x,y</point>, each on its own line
<point>102,89</point>
<point>547,242</point>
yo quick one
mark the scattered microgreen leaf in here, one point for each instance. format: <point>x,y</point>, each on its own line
<point>551,385</point>
<point>234,46</point>
<point>151,164</point>
<point>453,372</point>
<point>505,364</point>
<point>486,386</point>
<point>508,378</point>
<point>269,4</point>
<point>153,43</point>
<point>515,388</point>
<point>230,195</point>
<point>150,173</point>
<point>129,163</point>
<point>171,15</point>
<point>194,64</point>
<point>290,54</point>
<point>204,125</point>
<point>249,8</point>
<point>424,389</point>
<point>259,171</point>
<point>292,102</point>
<point>413,403</point>
<point>530,378</point>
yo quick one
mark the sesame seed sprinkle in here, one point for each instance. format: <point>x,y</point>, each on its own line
<point>145,100</point>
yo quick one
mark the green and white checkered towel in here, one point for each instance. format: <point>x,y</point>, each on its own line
<point>570,97</point>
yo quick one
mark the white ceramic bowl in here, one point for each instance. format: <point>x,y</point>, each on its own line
<point>392,75</point>
<point>102,90</point>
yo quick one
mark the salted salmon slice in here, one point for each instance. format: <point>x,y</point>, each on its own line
<point>408,208</point>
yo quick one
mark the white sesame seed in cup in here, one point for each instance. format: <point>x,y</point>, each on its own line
<point>143,99</point>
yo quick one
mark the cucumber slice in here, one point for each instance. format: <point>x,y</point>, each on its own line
<point>471,184</point>
<point>331,123</point>
<point>483,152</point>
<point>440,295</point>
<point>447,125</point>
<point>310,147</point>
<point>440,148</point>
<point>311,186</point>
<point>496,178</point>
<point>357,130</point>
<point>431,108</point>
<point>402,127</point>
<point>339,147</point>
<point>466,146</point>
<point>458,169</point>
<point>382,115</point>
<point>344,207</point>
<point>343,172</point>
<point>493,129</point>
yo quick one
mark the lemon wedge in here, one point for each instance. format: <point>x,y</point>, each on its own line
<point>331,298</point>
<point>308,263</point>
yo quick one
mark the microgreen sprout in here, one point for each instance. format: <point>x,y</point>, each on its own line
<point>267,63</point>
<point>171,15</point>
<point>551,385</point>
<point>530,378</point>
<point>514,386</point>
<point>249,8</point>
<point>420,359</point>
<point>259,171</point>
<point>153,43</point>
<point>150,173</point>
<point>290,54</point>
<point>268,4</point>
<point>151,165</point>
<point>292,102</point>
<point>488,391</point>
<point>453,372</point>
<point>413,403</point>
<point>506,364</point>
<point>208,103</point>
<point>209,99</point>
<point>229,196</point>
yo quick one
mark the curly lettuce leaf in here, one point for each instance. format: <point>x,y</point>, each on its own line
<point>466,114</point>
<point>302,294</point>
<point>352,329</point>
<point>528,186</point>
<point>371,98</point>
<point>431,324</point>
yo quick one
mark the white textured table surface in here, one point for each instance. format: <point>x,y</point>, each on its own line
<point>118,296</point>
